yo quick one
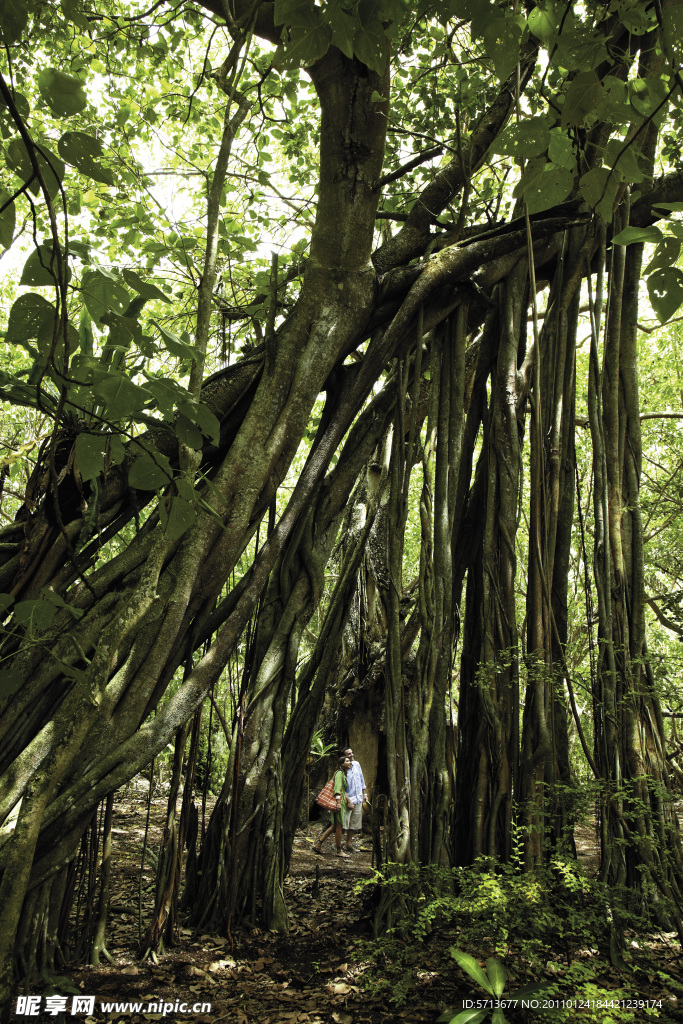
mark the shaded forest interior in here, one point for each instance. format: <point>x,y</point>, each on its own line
<point>341,405</point>
<point>329,967</point>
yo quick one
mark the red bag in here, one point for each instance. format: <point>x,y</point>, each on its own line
<point>326,797</point>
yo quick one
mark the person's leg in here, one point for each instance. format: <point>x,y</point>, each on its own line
<point>354,823</point>
<point>347,825</point>
<point>317,847</point>
<point>338,838</point>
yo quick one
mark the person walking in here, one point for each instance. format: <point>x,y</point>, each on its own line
<point>355,798</point>
<point>337,817</point>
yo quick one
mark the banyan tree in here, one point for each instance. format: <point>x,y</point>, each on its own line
<point>452,193</point>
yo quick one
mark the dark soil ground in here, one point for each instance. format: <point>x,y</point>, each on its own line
<point>325,971</point>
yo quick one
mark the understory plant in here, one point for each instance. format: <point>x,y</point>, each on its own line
<point>499,905</point>
<point>556,922</point>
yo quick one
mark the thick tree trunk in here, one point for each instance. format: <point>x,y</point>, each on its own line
<point>173,583</point>
<point>545,749</point>
<point>99,943</point>
<point>249,836</point>
<point>640,842</point>
<point>489,687</point>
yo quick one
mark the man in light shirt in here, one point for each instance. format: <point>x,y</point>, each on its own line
<point>355,797</point>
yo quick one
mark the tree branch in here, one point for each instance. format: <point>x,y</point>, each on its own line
<point>421,158</point>
<point>664,619</point>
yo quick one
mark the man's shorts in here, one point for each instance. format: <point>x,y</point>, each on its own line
<point>353,817</point>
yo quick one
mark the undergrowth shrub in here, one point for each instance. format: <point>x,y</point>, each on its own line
<point>496,905</point>
<point>555,923</point>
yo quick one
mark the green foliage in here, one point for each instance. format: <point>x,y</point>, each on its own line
<point>83,152</point>
<point>500,905</point>
<point>319,748</point>
<point>63,93</point>
<point>523,921</point>
<point>357,29</point>
<point>492,981</point>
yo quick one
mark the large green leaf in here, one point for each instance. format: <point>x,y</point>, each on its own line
<point>561,149</point>
<point>207,422</point>
<point>502,39</point>
<point>90,452</point>
<point>665,288</point>
<point>16,155</point>
<point>465,9</point>
<point>638,18</point>
<point>548,189</point>
<point>50,166</point>
<point>582,97</point>
<point>20,102</point>
<point>648,97</point>
<point>177,516</point>
<point>187,432</point>
<point>470,1017</point>
<point>122,330</point>
<point>625,161</point>
<point>343,28</point>
<point>497,976</point>
<point>117,451</point>
<point>167,394</point>
<point>175,345</point>
<point>614,106</point>
<point>672,13</point>
<point>72,13</point>
<point>481,13</point>
<point>7,220</point>
<point>40,268</point>
<point>666,254</point>
<point>306,46</point>
<point>468,964</point>
<point>599,189</point>
<point>46,338</point>
<point>524,140</point>
<point>103,292</point>
<point>121,397</point>
<point>543,25</point>
<point>150,474</point>
<point>13,20</point>
<point>81,151</point>
<point>63,93</point>
<point>27,316</point>
<point>35,615</point>
<point>370,46</point>
<point>298,13</point>
<point>87,368</point>
<point>578,51</point>
<point>144,288</point>
<point>58,601</point>
<point>634,234</point>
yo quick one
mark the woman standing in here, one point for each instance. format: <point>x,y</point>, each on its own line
<point>337,814</point>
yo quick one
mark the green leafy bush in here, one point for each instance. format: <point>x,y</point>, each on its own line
<point>496,904</point>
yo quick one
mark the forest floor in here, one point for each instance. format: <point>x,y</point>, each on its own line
<point>327,970</point>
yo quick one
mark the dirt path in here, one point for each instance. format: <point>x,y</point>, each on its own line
<point>323,972</point>
<point>313,975</point>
